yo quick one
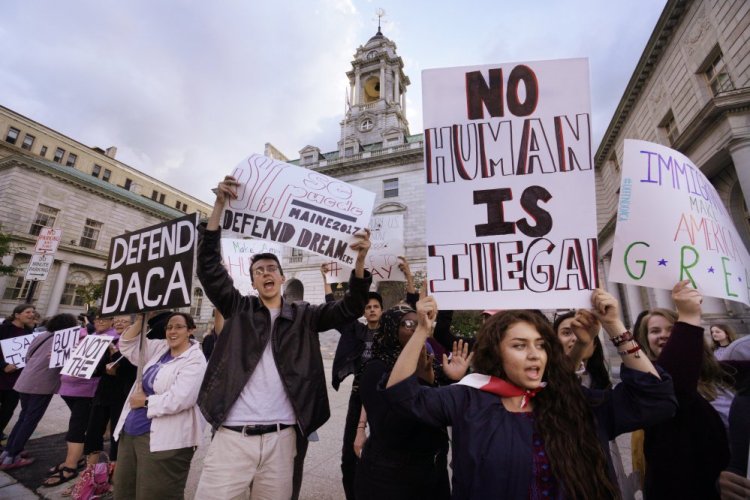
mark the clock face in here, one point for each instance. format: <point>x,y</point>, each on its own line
<point>372,54</point>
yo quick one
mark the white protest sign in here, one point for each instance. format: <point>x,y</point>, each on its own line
<point>151,268</point>
<point>387,238</point>
<point>86,356</point>
<point>672,225</point>
<point>237,254</point>
<point>510,195</point>
<point>48,240</point>
<point>63,343</point>
<point>297,207</point>
<point>15,348</point>
<point>39,266</point>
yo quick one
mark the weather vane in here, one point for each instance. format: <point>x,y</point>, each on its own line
<point>380,12</point>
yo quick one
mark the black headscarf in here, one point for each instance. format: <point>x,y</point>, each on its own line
<point>387,346</point>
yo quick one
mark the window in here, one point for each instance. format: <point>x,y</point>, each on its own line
<point>59,153</point>
<point>12,136</point>
<point>28,141</point>
<point>154,195</point>
<point>90,233</point>
<point>128,183</point>
<point>18,287</point>
<point>71,160</point>
<point>45,217</point>
<point>107,175</point>
<point>390,188</point>
<point>349,151</point>
<point>669,125</point>
<point>197,303</point>
<point>43,151</point>
<point>73,293</point>
<point>307,159</point>
<point>366,125</point>
<point>96,170</point>
<point>717,76</point>
<point>161,198</point>
<point>181,206</point>
<point>296,255</point>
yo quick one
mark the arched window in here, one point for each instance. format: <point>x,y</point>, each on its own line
<point>73,294</point>
<point>294,290</point>
<point>197,303</point>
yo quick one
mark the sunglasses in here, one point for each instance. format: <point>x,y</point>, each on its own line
<point>409,324</point>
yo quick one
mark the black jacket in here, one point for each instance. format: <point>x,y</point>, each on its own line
<point>296,346</point>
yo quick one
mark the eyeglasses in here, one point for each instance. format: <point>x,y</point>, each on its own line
<point>260,270</point>
<point>409,324</point>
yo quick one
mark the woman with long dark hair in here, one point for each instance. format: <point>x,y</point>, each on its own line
<point>523,426</point>
<point>20,322</point>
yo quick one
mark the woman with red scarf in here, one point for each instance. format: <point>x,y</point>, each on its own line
<point>523,426</point>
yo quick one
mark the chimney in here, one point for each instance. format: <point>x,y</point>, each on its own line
<point>111,152</point>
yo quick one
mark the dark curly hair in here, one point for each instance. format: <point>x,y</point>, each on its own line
<point>561,412</point>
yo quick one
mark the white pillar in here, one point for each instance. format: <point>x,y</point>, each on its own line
<point>635,304</point>
<point>396,86</point>
<point>357,89</point>
<point>58,288</point>
<point>663,298</point>
<point>740,151</point>
<point>382,80</point>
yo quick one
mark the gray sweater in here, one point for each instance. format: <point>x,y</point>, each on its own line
<point>37,377</point>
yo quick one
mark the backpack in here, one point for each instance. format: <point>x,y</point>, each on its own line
<point>94,481</point>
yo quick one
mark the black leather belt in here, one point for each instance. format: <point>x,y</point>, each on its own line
<point>256,430</point>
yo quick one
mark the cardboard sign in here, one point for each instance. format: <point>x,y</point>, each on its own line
<point>152,268</point>
<point>14,349</point>
<point>86,356</point>
<point>510,195</point>
<point>672,225</point>
<point>297,207</point>
<point>237,254</point>
<point>63,343</point>
<point>39,266</point>
<point>48,240</point>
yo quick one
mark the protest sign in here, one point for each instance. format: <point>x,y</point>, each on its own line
<point>672,225</point>
<point>237,254</point>
<point>387,237</point>
<point>86,356</point>
<point>297,207</point>
<point>510,195</point>
<point>63,343</point>
<point>15,348</point>
<point>151,269</point>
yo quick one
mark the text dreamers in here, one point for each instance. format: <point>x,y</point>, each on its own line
<point>151,268</point>
<point>297,207</point>
<point>510,185</point>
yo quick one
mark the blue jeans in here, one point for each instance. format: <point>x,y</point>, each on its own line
<point>33,407</point>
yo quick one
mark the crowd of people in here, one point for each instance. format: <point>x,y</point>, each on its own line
<point>525,409</point>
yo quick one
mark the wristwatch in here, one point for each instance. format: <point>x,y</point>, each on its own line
<point>145,403</point>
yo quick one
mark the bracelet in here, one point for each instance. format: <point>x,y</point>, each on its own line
<point>635,349</point>
<point>361,426</point>
<point>622,338</point>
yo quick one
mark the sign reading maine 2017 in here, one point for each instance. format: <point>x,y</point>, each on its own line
<point>297,207</point>
<point>151,268</point>
<point>672,225</point>
<point>510,193</point>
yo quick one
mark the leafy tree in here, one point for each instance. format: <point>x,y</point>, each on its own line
<point>6,249</point>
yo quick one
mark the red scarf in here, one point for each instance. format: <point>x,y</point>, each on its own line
<point>501,387</point>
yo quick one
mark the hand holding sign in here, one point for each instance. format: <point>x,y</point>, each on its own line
<point>361,246</point>
<point>687,301</point>
<point>227,189</point>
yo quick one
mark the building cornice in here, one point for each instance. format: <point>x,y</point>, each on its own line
<point>362,163</point>
<point>665,26</point>
<point>715,109</point>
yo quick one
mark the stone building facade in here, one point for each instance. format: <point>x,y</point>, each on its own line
<point>690,91</point>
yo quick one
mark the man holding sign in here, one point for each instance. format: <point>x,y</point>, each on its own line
<point>265,378</point>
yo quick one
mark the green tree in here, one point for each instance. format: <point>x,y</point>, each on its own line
<point>92,292</point>
<point>5,249</point>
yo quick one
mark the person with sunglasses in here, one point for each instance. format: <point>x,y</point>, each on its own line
<point>400,459</point>
<point>264,391</point>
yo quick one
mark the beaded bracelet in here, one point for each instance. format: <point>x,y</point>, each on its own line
<point>635,349</point>
<point>625,336</point>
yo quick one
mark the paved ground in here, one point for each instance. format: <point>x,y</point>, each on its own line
<point>322,480</point>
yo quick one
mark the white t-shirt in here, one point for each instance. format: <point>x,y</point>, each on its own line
<point>263,400</point>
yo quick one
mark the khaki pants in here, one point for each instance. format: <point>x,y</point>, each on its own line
<point>234,462</point>
<point>144,475</point>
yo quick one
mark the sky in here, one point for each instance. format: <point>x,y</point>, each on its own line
<point>185,90</point>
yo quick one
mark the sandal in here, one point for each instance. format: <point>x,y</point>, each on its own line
<point>18,463</point>
<point>60,477</point>
<point>57,468</point>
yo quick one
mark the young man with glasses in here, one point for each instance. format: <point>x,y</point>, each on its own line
<point>264,389</point>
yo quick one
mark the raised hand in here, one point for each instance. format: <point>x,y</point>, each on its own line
<point>585,326</point>
<point>687,301</point>
<point>456,366</point>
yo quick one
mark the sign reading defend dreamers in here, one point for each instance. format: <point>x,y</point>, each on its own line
<point>672,225</point>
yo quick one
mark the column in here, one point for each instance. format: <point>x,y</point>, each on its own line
<point>740,151</point>
<point>382,80</point>
<point>58,288</point>
<point>635,304</point>
<point>396,86</point>
<point>663,298</point>
<point>357,88</point>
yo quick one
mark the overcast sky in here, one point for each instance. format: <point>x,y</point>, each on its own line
<point>187,89</point>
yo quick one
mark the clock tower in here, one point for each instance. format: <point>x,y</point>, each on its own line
<point>376,101</point>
